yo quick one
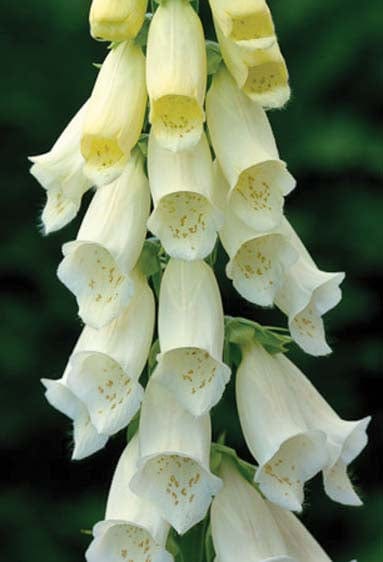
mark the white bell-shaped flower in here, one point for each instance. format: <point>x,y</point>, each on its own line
<point>261,73</point>
<point>115,113</point>
<point>132,530</point>
<point>288,450</point>
<point>345,439</point>
<point>116,20</point>
<point>306,295</point>
<point>242,523</point>
<point>99,390</point>
<point>258,261</point>
<point>176,75</point>
<point>247,22</point>
<point>173,470</point>
<point>191,336</point>
<point>184,216</point>
<point>97,266</point>
<point>60,172</point>
<point>247,153</point>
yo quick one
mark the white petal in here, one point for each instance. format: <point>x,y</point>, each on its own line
<point>258,262</point>
<point>86,439</point>
<point>301,545</point>
<point>288,451</point>
<point>115,113</point>
<point>112,20</point>
<point>133,529</point>
<point>60,172</point>
<point>261,73</point>
<point>197,380</point>
<point>338,486</point>
<point>307,294</point>
<point>176,75</point>
<point>184,217</point>
<point>242,523</point>
<point>245,147</point>
<point>246,22</point>
<point>97,266</point>
<point>104,369</point>
<point>173,471</point>
<point>191,335</point>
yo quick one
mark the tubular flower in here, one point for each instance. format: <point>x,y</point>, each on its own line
<point>99,390</point>
<point>116,20</point>
<point>173,471</point>
<point>345,439</point>
<point>60,172</point>
<point>288,450</point>
<point>243,522</point>
<point>97,266</point>
<point>260,73</point>
<point>247,153</point>
<point>191,335</point>
<point>184,217</point>
<point>132,529</point>
<point>258,261</point>
<point>306,295</point>
<point>176,75</point>
<point>115,113</point>
<point>247,22</point>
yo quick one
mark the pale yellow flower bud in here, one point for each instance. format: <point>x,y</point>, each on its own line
<point>247,22</point>
<point>116,20</point>
<point>261,73</point>
<point>176,75</point>
<point>115,114</point>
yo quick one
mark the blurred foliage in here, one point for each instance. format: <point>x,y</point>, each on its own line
<point>331,136</point>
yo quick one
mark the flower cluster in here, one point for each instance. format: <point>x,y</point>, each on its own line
<point>142,142</point>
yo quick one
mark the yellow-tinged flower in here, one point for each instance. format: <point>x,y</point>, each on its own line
<point>60,172</point>
<point>115,113</point>
<point>261,73</point>
<point>97,266</point>
<point>176,75</point>
<point>116,20</point>
<point>247,22</point>
<point>245,147</point>
<point>184,216</point>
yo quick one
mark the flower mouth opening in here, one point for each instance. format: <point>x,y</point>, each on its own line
<point>185,224</point>
<point>298,459</point>
<point>111,396</point>
<point>124,542</point>
<point>258,194</point>
<point>252,26</point>
<point>194,376</point>
<point>267,83</point>
<point>103,156</point>
<point>91,273</point>
<point>258,268</point>
<point>177,120</point>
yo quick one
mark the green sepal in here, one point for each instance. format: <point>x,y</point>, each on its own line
<point>97,65</point>
<point>246,469</point>
<point>143,144</point>
<point>152,360</point>
<point>142,37</point>
<point>114,45</point>
<point>149,260</point>
<point>214,57</point>
<point>241,331</point>
<point>133,427</point>
<point>86,532</point>
<point>209,545</point>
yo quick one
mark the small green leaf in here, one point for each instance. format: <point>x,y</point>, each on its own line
<point>152,361</point>
<point>214,57</point>
<point>133,427</point>
<point>149,261</point>
<point>97,65</point>
<point>241,331</point>
<point>246,469</point>
<point>142,37</point>
<point>143,144</point>
<point>86,532</point>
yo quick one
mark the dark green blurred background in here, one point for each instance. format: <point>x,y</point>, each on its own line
<point>331,136</point>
